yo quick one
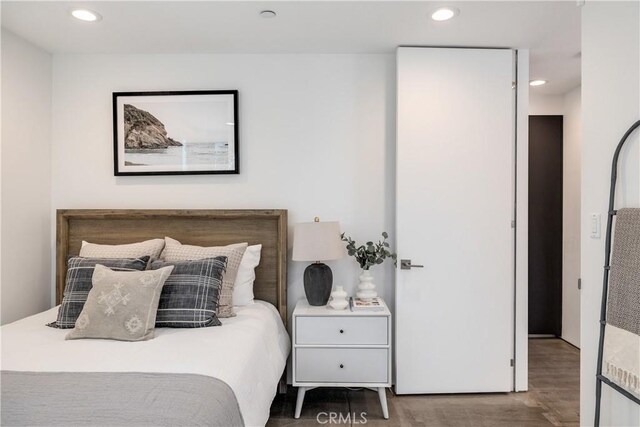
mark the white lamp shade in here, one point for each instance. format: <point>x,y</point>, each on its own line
<point>317,241</point>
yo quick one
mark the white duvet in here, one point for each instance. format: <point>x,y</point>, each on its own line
<point>248,352</point>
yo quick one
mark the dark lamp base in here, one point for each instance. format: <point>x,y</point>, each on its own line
<point>318,281</point>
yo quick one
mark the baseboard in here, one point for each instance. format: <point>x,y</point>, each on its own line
<point>572,345</point>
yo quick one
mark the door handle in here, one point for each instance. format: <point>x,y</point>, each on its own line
<point>405,264</point>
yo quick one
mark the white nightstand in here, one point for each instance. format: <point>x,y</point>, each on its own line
<point>340,348</point>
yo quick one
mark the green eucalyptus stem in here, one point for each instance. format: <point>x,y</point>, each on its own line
<point>370,253</point>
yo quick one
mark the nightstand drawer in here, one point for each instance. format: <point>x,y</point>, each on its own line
<point>338,330</point>
<point>342,365</point>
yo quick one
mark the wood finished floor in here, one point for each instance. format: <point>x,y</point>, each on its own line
<point>552,399</point>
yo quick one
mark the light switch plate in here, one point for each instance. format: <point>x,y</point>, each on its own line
<point>595,226</point>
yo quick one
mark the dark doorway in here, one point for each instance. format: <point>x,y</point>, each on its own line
<point>545,225</point>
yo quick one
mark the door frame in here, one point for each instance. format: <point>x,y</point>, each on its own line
<point>521,279</point>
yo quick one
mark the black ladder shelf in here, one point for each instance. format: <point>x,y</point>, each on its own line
<point>605,283</point>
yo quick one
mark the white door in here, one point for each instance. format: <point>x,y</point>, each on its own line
<point>455,204</point>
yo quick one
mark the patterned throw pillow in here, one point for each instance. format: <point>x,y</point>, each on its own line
<point>78,284</point>
<point>121,305</point>
<point>176,251</point>
<point>151,248</point>
<point>190,296</point>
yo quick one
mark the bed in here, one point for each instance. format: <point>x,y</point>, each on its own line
<point>225,375</point>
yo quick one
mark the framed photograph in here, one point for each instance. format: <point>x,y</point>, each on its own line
<point>176,133</point>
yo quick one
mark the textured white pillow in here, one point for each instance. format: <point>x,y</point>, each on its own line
<point>151,248</point>
<point>121,305</point>
<point>243,288</point>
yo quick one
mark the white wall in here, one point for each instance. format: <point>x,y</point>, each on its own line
<point>610,104</point>
<point>316,138</point>
<point>26,173</point>
<point>545,105</point>
<point>571,217</point>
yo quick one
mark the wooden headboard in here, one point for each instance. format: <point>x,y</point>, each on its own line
<point>195,227</point>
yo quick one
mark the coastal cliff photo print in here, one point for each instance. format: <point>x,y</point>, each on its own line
<point>175,133</point>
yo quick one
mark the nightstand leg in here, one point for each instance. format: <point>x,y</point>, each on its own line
<point>300,400</point>
<point>382,393</point>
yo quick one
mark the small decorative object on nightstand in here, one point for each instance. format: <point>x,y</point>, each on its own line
<point>368,255</point>
<point>339,299</point>
<point>366,287</point>
<point>317,241</point>
<point>341,349</point>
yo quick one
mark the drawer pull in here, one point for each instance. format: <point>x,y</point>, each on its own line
<point>341,366</point>
<point>341,331</point>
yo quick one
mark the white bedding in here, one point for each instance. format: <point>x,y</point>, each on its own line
<point>248,352</point>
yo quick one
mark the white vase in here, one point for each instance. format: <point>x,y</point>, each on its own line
<point>339,299</point>
<point>366,288</point>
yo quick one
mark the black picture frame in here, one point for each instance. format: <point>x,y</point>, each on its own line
<point>161,149</point>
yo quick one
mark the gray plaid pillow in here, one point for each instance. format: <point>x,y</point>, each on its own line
<point>78,284</point>
<point>176,251</point>
<point>190,295</point>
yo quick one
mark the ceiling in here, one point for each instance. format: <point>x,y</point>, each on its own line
<point>550,29</point>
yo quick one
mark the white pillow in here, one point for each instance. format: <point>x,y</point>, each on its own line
<point>243,288</point>
<point>151,248</point>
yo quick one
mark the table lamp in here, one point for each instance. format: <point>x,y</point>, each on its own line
<point>317,241</point>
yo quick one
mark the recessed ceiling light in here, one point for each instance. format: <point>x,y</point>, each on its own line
<point>444,13</point>
<point>86,15</point>
<point>268,14</point>
<point>537,82</point>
